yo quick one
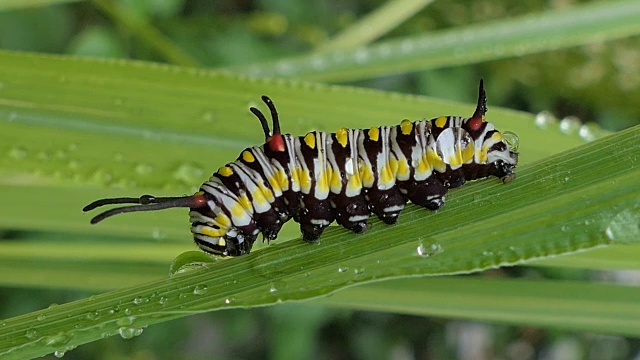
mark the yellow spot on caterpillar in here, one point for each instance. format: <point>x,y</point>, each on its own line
<point>482,156</point>
<point>225,171</point>
<point>310,140</point>
<point>323,185</point>
<point>222,242</point>
<point>238,210</point>
<point>406,126</point>
<point>393,164</point>
<point>441,121</point>
<point>273,181</point>
<point>209,231</point>
<point>386,175</point>
<point>467,154</point>
<point>423,165</point>
<point>456,159</point>
<point>435,161</point>
<point>304,179</point>
<point>366,173</point>
<point>403,169</point>
<point>223,220</point>
<point>354,184</point>
<point>342,135</point>
<point>268,194</point>
<point>497,137</point>
<point>248,156</point>
<point>336,181</point>
<point>374,133</point>
<point>258,197</point>
<point>243,203</point>
<point>282,180</point>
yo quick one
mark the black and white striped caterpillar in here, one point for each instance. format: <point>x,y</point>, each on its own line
<point>343,176</point>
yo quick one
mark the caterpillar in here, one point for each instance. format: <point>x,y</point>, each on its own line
<point>344,176</point>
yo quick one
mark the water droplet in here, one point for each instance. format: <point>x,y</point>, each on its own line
<point>361,56</point>
<point>429,251</point>
<point>143,169</point>
<point>190,260</point>
<point>358,271</point>
<point>43,317</point>
<point>512,140</point>
<point>570,124</point>
<point>59,353</point>
<point>18,153</point>
<point>163,300</point>
<point>56,340</point>
<point>208,116</point>
<point>189,174</point>
<point>487,253</point>
<point>545,119</point>
<point>200,289</point>
<point>591,131</point>
<point>94,315</point>
<point>624,228</point>
<point>318,62</point>
<point>564,228</point>
<point>129,332</point>
<point>43,156</point>
<point>156,233</point>
<point>31,333</point>
<point>229,300</point>
<point>102,177</point>
<point>139,300</point>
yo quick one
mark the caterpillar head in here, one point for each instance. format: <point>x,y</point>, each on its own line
<point>498,150</point>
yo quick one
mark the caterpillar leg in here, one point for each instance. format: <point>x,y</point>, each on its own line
<point>386,204</point>
<point>429,194</point>
<point>352,213</point>
<point>314,216</point>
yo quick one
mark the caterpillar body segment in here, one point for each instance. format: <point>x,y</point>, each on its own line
<point>344,176</point>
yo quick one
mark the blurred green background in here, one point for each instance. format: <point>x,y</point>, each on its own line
<point>231,34</point>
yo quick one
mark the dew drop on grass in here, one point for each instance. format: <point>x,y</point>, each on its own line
<point>188,173</point>
<point>139,300</point>
<point>129,332</point>
<point>59,353</point>
<point>143,169</point>
<point>428,251</point>
<point>545,119</point>
<point>189,261</point>
<point>624,228</point>
<point>200,289</point>
<point>31,333</point>
<point>343,269</point>
<point>570,125</point>
<point>18,153</point>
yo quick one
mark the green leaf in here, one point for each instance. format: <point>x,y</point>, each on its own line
<point>375,24</point>
<point>497,39</point>
<point>545,303</point>
<point>574,201</point>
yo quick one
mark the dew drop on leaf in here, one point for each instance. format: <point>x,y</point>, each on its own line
<point>200,289</point>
